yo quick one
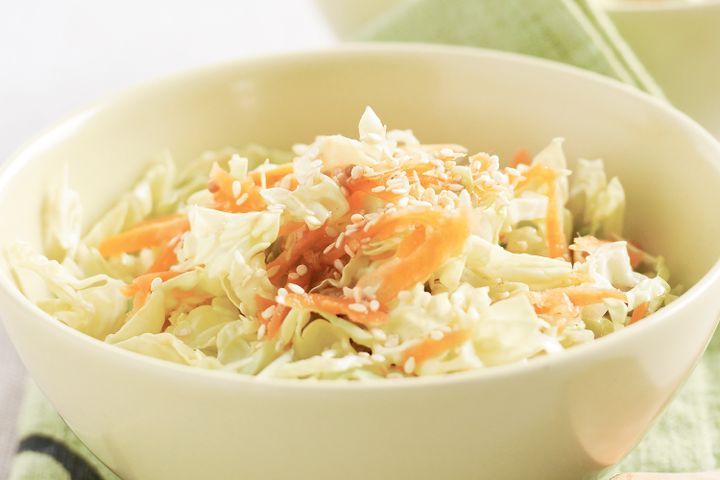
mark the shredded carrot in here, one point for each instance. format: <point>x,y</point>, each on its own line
<point>589,244</point>
<point>276,320</point>
<point>152,233</point>
<point>552,300</point>
<point>640,312</point>
<point>521,157</point>
<point>298,242</point>
<point>336,306</point>
<point>431,348</point>
<point>555,234</point>
<point>139,289</point>
<point>221,186</point>
<point>273,176</point>
<point>444,237</point>
<point>143,282</point>
<point>166,258</point>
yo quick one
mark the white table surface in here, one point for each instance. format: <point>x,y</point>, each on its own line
<point>58,55</point>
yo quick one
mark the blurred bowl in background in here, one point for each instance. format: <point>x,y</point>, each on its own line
<point>679,43</point>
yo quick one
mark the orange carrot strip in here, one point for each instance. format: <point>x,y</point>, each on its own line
<point>555,300</point>
<point>148,234</point>
<point>446,239</point>
<point>522,156</point>
<point>166,258</point>
<point>276,321</point>
<point>221,186</point>
<point>272,175</point>
<point>640,312</point>
<point>298,242</point>
<point>556,242</point>
<point>334,305</point>
<point>143,282</point>
<point>431,348</point>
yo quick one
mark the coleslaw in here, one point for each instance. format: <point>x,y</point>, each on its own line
<point>375,257</point>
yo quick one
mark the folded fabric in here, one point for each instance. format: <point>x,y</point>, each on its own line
<point>571,31</point>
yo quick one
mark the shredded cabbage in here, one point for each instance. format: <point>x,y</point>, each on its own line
<point>347,259</point>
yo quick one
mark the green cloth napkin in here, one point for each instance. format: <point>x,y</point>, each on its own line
<point>687,436</point>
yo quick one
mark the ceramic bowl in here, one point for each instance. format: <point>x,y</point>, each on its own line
<point>565,416</point>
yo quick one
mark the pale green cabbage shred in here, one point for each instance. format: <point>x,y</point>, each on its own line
<point>485,289</point>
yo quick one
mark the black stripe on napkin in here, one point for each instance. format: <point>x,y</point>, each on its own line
<point>77,467</point>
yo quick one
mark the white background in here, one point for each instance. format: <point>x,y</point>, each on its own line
<point>58,55</point>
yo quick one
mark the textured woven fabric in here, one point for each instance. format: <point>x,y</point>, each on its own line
<point>687,436</point>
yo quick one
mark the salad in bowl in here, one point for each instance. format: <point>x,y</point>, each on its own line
<point>375,257</point>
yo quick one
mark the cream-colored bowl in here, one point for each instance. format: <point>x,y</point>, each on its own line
<point>567,416</point>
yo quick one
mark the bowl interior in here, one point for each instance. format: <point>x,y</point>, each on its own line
<point>487,101</point>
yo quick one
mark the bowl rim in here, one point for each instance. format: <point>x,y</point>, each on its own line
<point>23,155</point>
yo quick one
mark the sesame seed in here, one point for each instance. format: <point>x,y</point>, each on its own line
<point>378,357</point>
<point>327,249</point>
<point>409,366</point>
<point>301,269</point>
<point>356,218</point>
<point>236,187</point>
<point>282,292</point>
<point>293,276</point>
<point>349,251</point>
<point>379,188</point>
<point>356,172</point>
<point>261,331</point>
<point>313,220</point>
<point>379,334</point>
<point>241,199</point>
<point>403,202</point>
<point>347,291</point>
<point>338,264</point>
<point>295,288</point>
<point>155,284</point>
<point>374,305</point>
<point>357,294</point>
<point>339,239</point>
<point>268,312</point>
<point>358,307</point>
<point>436,335</point>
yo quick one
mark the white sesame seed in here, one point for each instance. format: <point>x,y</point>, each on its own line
<point>455,187</point>
<point>357,294</point>
<point>349,251</point>
<point>241,199</point>
<point>347,291</point>
<point>378,189</point>
<point>236,187</point>
<point>358,307</point>
<point>338,264</point>
<point>374,305</point>
<point>282,292</point>
<point>436,335</point>
<point>369,291</point>
<point>301,269</point>
<point>261,331</point>
<point>339,239</point>
<point>327,249</point>
<point>356,218</point>
<point>378,357</point>
<point>379,334</point>
<point>403,202</point>
<point>313,220</point>
<point>356,172</point>
<point>295,288</point>
<point>293,276</point>
<point>155,284</point>
<point>268,312</point>
<point>409,366</point>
